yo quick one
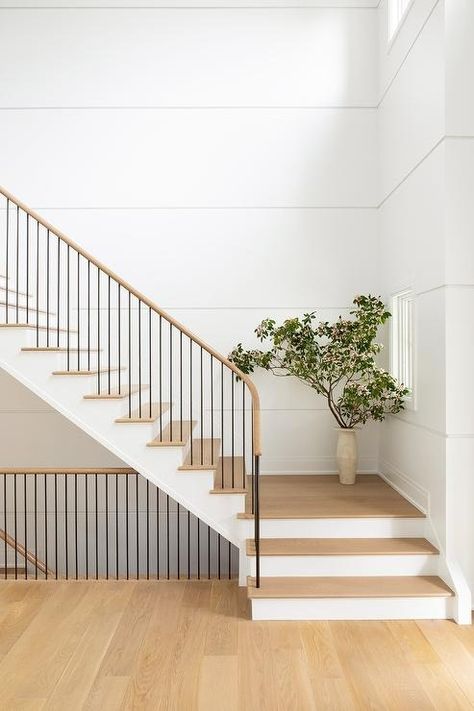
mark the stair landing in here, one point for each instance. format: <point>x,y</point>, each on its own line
<point>321,496</point>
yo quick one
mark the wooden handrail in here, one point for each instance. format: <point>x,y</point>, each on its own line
<point>66,470</point>
<point>25,553</point>
<point>58,233</point>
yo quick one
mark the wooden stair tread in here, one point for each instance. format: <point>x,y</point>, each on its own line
<point>115,394</point>
<point>296,496</point>
<point>52,328</point>
<point>350,587</point>
<point>157,409</point>
<point>175,434</point>
<point>223,475</point>
<point>10,571</point>
<point>341,546</point>
<point>203,454</point>
<point>103,371</point>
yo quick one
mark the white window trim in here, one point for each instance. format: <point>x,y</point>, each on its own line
<point>392,37</point>
<point>411,399</point>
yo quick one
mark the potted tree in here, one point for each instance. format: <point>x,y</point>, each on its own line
<point>337,360</point>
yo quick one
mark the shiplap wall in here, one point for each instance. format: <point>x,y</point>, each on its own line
<point>221,159</point>
<point>426,220</point>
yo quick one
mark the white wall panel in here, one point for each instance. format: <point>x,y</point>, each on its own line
<point>190,157</point>
<point>412,114</point>
<point>215,259</point>
<point>203,57</point>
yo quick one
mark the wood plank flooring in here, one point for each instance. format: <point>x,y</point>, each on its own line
<point>321,496</point>
<point>186,646</point>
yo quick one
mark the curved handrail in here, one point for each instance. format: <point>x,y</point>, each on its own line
<point>256,435</point>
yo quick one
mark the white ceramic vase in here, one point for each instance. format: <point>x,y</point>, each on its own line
<point>346,455</point>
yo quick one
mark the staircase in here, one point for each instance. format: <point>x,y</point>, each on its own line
<point>176,411</point>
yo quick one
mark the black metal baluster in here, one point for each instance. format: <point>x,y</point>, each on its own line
<point>119,330</point>
<point>56,522</point>
<point>219,551</point>
<point>202,412</point>
<point>244,482</point>
<point>86,507</point>
<point>139,358</point>
<point>229,557</point>
<point>212,406</point>
<point>5,521</point>
<point>96,528</point>
<point>108,332</point>
<point>160,382</point>
<point>68,308</point>
<point>137,525</point>
<point>191,398</point>
<point>181,388</point>
<point>199,548</point>
<point>75,525</point>
<point>147,529</point>
<point>149,363</point>
<point>46,526</point>
<point>88,315</point>
<point>106,526</point>
<point>126,525</point>
<point>47,292</point>
<point>66,541</point>
<point>129,354</point>
<point>98,331</point>
<point>15,525</point>
<point>27,268</point>
<point>171,382</point>
<point>78,311</point>
<point>35,514</point>
<point>168,536</point>
<point>189,544</point>
<point>157,533</point>
<point>17,257</point>
<point>177,543</point>
<point>232,430</point>
<point>37,282</point>
<point>58,292</point>
<point>25,526</point>
<point>208,552</point>
<point>222,424</point>
<point>116,527</point>
<point>7,261</point>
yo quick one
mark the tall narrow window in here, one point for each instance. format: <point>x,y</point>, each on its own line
<point>397,11</point>
<point>402,341</point>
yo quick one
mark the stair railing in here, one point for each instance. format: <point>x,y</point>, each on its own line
<point>135,350</point>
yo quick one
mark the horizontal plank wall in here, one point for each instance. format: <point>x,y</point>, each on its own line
<point>221,159</point>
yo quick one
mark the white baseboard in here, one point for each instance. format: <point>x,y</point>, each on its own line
<point>312,465</point>
<point>407,487</point>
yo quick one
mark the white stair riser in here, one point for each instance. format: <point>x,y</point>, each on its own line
<point>340,565</point>
<point>392,608</point>
<point>337,528</point>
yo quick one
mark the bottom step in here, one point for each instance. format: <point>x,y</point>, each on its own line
<point>350,598</point>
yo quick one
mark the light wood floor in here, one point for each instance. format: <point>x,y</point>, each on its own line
<point>321,496</point>
<point>185,646</point>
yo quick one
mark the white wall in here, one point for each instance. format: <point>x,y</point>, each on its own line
<point>222,160</point>
<point>425,224</point>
